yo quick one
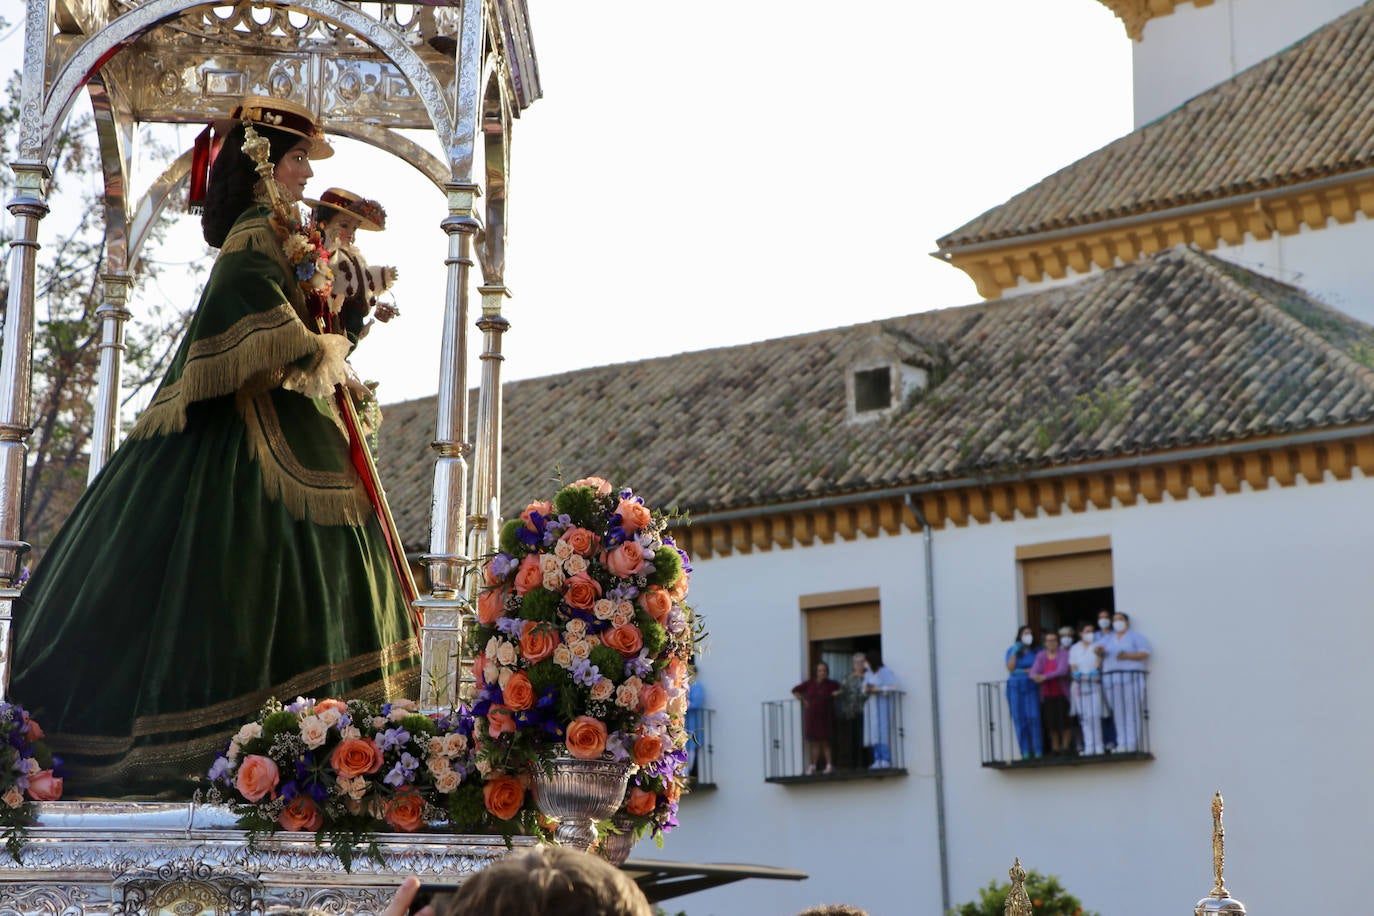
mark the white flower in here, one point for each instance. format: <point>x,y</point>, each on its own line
<point>436,745</point>
<point>350,733</point>
<point>604,609</point>
<point>562,656</point>
<point>455,744</point>
<point>625,607</point>
<point>248,733</point>
<point>548,563</point>
<point>296,247</point>
<point>504,677</point>
<point>330,717</point>
<point>397,714</point>
<point>575,564</point>
<point>506,654</point>
<point>484,766</point>
<point>489,672</point>
<point>13,797</point>
<point>603,689</point>
<point>553,580</point>
<point>562,550</point>
<point>354,788</point>
<point>447,782</point>
<point>313,731</point>
<point>677,706</point>
<point>627,696</point>
<point>623,617</point>
<point>492,645</point>
<point>580,649</point>
<point>576,628</point>
<point>439,765</point>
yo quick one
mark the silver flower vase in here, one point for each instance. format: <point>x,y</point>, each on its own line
<point>578,793</point>
<point>617,842</point>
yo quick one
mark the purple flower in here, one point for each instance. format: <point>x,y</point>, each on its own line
<point>305,269</point>
<point>502,564</point>
<point>300,706</point>
<point>584,672</point>
<point>677,621</point>
<point>618,744</point>
<point>219,770</point>
<point>511,626</point>
<point>392,739</point>
<point>640,666</point>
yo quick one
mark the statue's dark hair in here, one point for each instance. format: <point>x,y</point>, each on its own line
<point>232,178</point>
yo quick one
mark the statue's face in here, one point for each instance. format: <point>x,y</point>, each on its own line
<point>294,170</point>
<point>342,228</point>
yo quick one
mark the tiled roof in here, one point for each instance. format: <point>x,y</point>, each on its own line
<point>1299,115</point>
<point>1179,349</point>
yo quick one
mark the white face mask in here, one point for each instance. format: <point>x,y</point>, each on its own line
<point>1119,626</point>
<point>1103,623</point>
<point>1065,638</point>
<point>1087,638</point>
<point>1027,638</point>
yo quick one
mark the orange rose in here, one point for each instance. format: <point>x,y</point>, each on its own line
<point>581,540</point>
<point>489,575</point>
<point>518,692</point>
<point>624,561</point>
<point>586,738</point>
<point>641,803</point>
<point>355,757</point>
<point>33,732</point>
<point>673,791</point>
<point>581,591</point>
<point>537,641</point>
<point>330,703</point>
<point>626,640</point>
<point>499,721</point>
<point>405,812</point>
<point>543,507</point>
<point>529,575</point>
<point>503,796</point>
<point>647,750</point>
<point>256,777</point>
<point>44,786</point>
<point>656,603</point>
<point>301,814</point>
<point>491,604</point>
<point>599,484</point>
<point>652,699</point>
<point>478,664</point>
<point>678,591</point>
<point>633,515</point>
<point>676,670</point>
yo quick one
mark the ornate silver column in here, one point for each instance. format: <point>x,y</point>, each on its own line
<point>28,206</point>
<point>486,517</point>
<point>113,315</point>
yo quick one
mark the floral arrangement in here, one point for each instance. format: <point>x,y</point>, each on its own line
<point>27,774</point>
<point>582,646</point>
<point>309,258</point>
<point>346,770</point>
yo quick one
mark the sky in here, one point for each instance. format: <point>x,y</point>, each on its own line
<point>712,174</point>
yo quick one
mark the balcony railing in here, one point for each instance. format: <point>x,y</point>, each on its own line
<point>866,745</point>
<point>1102,719</point>
<point>700,751</point>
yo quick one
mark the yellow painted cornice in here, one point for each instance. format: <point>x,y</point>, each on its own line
<point>1073,491</point>
<point>1135,13</point>
<point>999,265</point>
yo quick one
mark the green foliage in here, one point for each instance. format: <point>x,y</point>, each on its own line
<point>654,634</point>
<point>465,808</point>
<point>417,724</point>
<point>667,567</point>
<point>279,723</point>
<point>578,503</point>
<point>544,675</point>
<point>540,604</point>
<point>509,542</point>
<point>1047,896</point>
<point>609,662</point>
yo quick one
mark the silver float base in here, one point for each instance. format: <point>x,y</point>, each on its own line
<point>183,859</point>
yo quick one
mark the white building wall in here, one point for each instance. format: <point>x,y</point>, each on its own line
<point>1194,48</point>
<point>1258,606</point>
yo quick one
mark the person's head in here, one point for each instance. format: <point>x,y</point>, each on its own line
<point>1086,632</point>
<point>1104,619</point>
<point>875,659</point>
<point>342,213</point>
<point>1051,641</point>
<point>1065,635</point>
<point>859,663</point>
<point>1025,635</point>
<point>293,138</point>
<point>822,671</point>
<point>547,880</point>
<point>1121,621</point>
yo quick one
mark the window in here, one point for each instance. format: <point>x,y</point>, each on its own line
<point>1065,583</point>
<point>872,389</point>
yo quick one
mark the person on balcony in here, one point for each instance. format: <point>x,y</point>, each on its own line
<point>880,711</point>
<point>1124,653</point>
<point>1023,694</point>
<point>1086,691</point>
<point>817,697</point>
<point>1050,671</point>
<point>229,552</point>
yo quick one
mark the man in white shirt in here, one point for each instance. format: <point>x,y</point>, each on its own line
<point>1124,653</point>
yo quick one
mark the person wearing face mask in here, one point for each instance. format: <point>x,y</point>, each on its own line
<point>1023,694</point>
<point>1104,629</point>
<point>1124,654</point>
<point>1086,692</point>
<point>1050,672</point>
<point>1066,645</point>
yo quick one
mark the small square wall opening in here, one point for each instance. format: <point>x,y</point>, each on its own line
<point>872,389</point>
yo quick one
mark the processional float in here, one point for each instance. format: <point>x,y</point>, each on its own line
<point>462,68</point>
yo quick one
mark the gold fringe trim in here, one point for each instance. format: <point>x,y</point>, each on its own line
<point>162,758</point>
<point>222,364</point>
<point>325,497</point>
<point>230,711</point>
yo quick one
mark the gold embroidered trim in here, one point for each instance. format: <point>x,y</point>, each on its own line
<point>195,752</point>
<point>328,497</point>
<point>221,364</point>
<point>245,705</point>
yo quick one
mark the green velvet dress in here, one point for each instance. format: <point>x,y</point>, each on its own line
<point>226,554</point>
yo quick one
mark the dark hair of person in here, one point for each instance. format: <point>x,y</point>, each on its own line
<point>1024,628</point>
<point>324,213</point>
<point>875,659</point>
<point>1125,615</point>
<point>547,880</point>
<point>232,178</point>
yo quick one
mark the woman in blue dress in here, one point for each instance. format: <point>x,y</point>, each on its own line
<point>1023,694</point>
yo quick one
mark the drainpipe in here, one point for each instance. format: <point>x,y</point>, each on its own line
<point>915,508</point>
